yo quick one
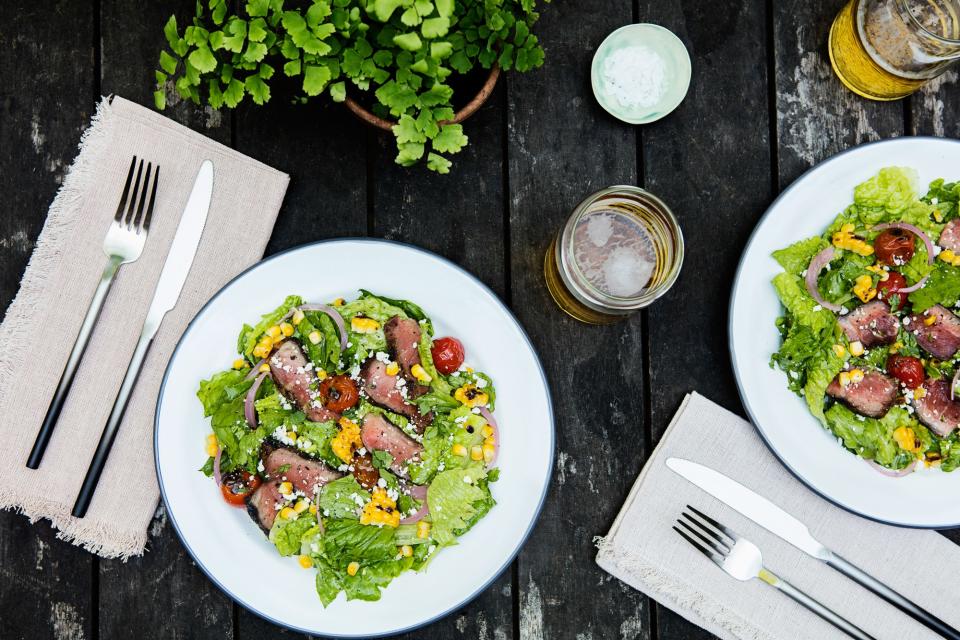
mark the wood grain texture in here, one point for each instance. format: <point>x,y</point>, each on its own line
<point>935,109</point>
<point>46,585</point>
<point>561,147</point>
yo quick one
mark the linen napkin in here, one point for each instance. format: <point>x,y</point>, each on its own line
<point>643,551</point>
<point>43,321</point>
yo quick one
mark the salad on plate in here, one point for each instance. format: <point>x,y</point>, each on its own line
<point>358,442</point>
<point>870,332</point>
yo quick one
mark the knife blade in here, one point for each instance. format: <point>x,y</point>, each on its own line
<point>777,521</point>
<point>173,275</point>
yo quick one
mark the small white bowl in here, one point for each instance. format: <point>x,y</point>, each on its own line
<point>677,76</point>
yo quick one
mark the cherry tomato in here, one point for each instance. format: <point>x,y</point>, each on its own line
<point>447,355</point>
<point>339,393</point>
<point>906,369</point>
<point>894,246</point>
<point>237,486</point>
<point>364,471</point>
<point>892,285</point>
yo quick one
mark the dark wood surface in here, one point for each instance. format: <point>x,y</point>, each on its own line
<point>763,107</point>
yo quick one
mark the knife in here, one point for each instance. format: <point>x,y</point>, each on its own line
<point>172,276</point>
<point>779,522</point>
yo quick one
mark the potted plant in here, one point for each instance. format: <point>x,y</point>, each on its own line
<point>401,53</point>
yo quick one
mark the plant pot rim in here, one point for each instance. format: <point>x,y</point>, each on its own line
<point>468,110</point>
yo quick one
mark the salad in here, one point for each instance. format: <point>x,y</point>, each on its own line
<point>358,442</point>
<point>870,332</point>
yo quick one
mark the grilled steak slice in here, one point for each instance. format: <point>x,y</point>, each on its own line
<point>262,504</point>
<point>940,338</point>
<point>872,397</point>
<point>936,409</point>
<point>379,434</point>
<point>294,374</point>
<point>950,236</point>
<point>385,390</point>
<point>871,324</point>
<point>305,474</point>
<point>403,338</point>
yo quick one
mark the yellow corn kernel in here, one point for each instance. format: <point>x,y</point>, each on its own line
<point>423,529</point>
<point>880,271</point>
<point>286,329</point>
<point>297,317</point>
<point>381,510</point>
<point>338,302</point>
<point>471,396</point>
<point>844,378</point>
<point>459,450</point>
<point>347,440</point>
<point>949,257</point>
<point>305,562</point>
<point>919,392</point>
<point>292,435</point>
<point>468,369</point>
<point>212,445</point>
<point>313,509</point>
<point>420,373</point>
<point>487,431</point>
<point>929,320</point>
<point>287,513</point>
<point>895,347</point>
<point>905,438</point>
<point>937,215</point>
<point>839,350</point>
<point>353,567</point>
<point>301,506</point>
<point>360,324</point>
<point>314,337</point>
<point>864,289</point>
<point>490,441</point>
<point>321,374</point>
<point>845,239</point>
<point>239,363</point>
<point>856,348</point>
<point>489,451</point>
<point>406,551</point>
<point>274,332</point>
<point>476,452</point>
<point>856,375</point>
<point>264,368</point>
<point>393,369</point>
<point>285,488</point>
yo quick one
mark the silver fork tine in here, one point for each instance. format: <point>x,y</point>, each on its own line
<point>153,197</point>
<point>128,218</point>
<point>715,533</point>
<point>710,541</point>
<point>713,523</point>
<point>699,547</point>
<point>126,189</point>
<point>143,198</point>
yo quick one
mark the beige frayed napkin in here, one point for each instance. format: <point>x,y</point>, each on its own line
<point>42,322</point>
<point>644,552</point>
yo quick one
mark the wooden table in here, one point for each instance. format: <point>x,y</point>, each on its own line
<point>763,106</point>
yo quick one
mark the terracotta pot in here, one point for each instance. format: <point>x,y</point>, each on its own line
<point>468,110</point>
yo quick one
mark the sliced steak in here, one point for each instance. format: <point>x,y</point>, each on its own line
<point>936,409</point>
<point>941,338</point>
<point>403,338</point>
<point>295,375</point>
<point>386,391</point>
<point>379,434</point>
<point>305,474</point>
<point>262,504</point>
<point>872,397</point>
<point>950,236</point>
<point>871,324</point>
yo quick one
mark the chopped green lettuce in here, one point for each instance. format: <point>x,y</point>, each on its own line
<point>342,498</point>
<point>286,535</point>
<point>795,258</point>
<point>795,298</point>
<point>250,335</point>
<point>943,287</point>
<point>455,497</point>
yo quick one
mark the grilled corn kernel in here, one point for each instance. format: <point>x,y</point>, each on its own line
<point>406,551</point>
<point>313,509</point>
<point>856,375</point>
<point>937,215</point>
<point>301,506</point>
<point>880,271</point>
<point>297,317</point>
<point>929,320</point>
<point>314,337</point>
<point>420,373</point>
<point>864,289</point>
<point>459,450</point>
<point>364,325</point>
<point>338,302</point>
<point>212,445</point>
<point>949,257</point>
<point>489,451</point>
<point>487,431</point>
<point>292,435</point>
<point>476,452</point>
<point>264,368</point>
<point>839,350</point>
<point>856,348</point>
<point>919,392</point>
<point>353,567</point>
<point>286,329</point>
<point>845,239</point>
<point>287,513</point>
<point>393,369</point>
<point>239,363</point>
<point>285,488</point>
<point>347,440</point>
<point>471,396</point>
<point>274,332</point>
<point>895,347</point>
<point>381,510</point>
<point>906,438</point>
<point>305,562</point>
<point>423,529</point>
<point>490,441</point>
<point>321,374</point>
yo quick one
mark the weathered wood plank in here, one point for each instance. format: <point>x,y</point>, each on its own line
<point>710,160</point>
<point>562,146</point>
<point>45,583</point>
<point>935,110</point>
<point>459,216</point>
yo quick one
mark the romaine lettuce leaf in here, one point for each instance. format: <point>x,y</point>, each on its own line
<point>795,258</point>
<point>339,499</point>
<point>222,387</point>
<point>455,497</point>
<point>889,192</point>
<point>947,197</point>
<point>943,287</point>
<point>873,438</point>
<point>346,541</point>
<point>248,337</point>
<point>286,534</point>
<point>795,298</point>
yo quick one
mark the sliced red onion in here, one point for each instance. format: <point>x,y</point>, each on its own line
<point>419,492</point>
<point>336,317</point>
<point>913,287</point>
<point>254,370</point>
<point>819,261</point>
<point>496,433</point>
<point>891,473</point>
<point>915,231</point>
<point>217,476</point>
<point>249,410</point>
<point>953,383</point>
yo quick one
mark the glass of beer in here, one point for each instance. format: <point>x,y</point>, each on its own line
<point>887,49</point>
<point>620,250</point>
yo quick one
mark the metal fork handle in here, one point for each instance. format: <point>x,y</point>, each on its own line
<point>901,602</point>
<point>73,363</point>
<point>815,606</point>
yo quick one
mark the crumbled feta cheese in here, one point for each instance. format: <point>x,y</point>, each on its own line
<point>817,307</point>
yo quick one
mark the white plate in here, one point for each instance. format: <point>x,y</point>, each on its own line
<point>927,498</point>
<point>225,542</point>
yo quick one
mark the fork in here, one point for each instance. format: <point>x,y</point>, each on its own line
<point>123,244</point>
<point>742,560</point>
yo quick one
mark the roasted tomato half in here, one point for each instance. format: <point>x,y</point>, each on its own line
<point>339,393</point>
<point>892,285</point>
<point>447,355</point>
<point>906,369</point>
<point>237,486</point>
<point>894,246</point>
